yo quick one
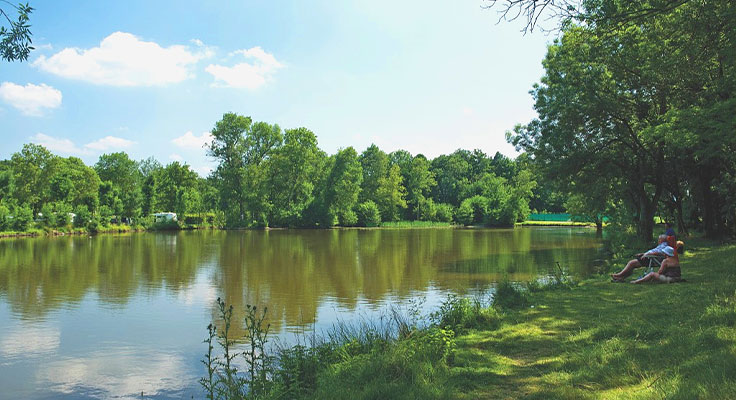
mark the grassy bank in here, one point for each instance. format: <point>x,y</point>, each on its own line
<point>617,341</point>
<point>416,224</point>
<point>593,340</point>
<point>555,223</point>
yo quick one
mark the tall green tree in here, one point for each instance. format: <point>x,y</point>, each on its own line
<point>229,148</point>
<point>382,183</point>
<point>32,169</point>
<point>123,173</point>
<point>176,189</point>
<point>342,187</point>
<point>74,184</point>
<point>419,181</point>
<point>292,178</point>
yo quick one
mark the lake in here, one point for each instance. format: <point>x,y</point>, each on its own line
<point>125,315</point>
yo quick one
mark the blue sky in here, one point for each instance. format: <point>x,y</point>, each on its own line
<point>151,77</point>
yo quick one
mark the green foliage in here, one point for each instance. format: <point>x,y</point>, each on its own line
<point>509,295</point>
<point>5,221</point>
<point>445,212</point>
<point>458,313</point>
<point>22,218</point>
<point>343,187</point>
<point>123,195</point>
<point>82,216</point>
<point>15,41</point>
<point>368,214</point>
<point>473,211</point>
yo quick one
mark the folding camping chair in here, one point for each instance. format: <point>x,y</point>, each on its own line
<point>654,261</point>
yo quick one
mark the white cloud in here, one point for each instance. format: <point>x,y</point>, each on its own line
<point>109,143</point>
<point>246,75</point>
<point>67,147</point>
<point>56,145</point>
<point>30,99</point>
<point>176,157</point>
<point>189,140</point>
<point>122,59</point>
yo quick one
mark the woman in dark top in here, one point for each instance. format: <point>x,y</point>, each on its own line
<point>669,271</point>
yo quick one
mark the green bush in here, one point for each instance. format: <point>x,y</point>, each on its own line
<point>508,295</point>
<point>426,210</point>
<point>82,217</point>
<point>63,217</point>
<point>4,220</point>
<point>348,218</point>
<point>22,218</point>
<point>47,219</point>
<point>458,313</point>
<point>445,212</point>
<point>368,214</point>
<point>473,211</point>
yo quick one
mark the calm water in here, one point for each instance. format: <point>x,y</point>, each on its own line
<point>117,316</point>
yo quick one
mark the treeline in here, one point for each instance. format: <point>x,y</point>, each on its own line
<point>637,114</point>
<point>265,177</point>
<point>41,190</point>
<point>269,177</point>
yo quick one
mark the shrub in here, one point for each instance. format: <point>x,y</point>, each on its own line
<point>458,312</point>
<point>368,214</point>
<point>473,211</point>
<point>63,217</point>
<point>508,295</point>
<point>426,210</point>
<point>82,217</point>
<point>4,220</point>
<point>48,216</point>
<point>445,212</point>
<point>22,218</point>
<point>348,218</point>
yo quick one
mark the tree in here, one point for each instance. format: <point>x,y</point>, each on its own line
<point>125,177</point>
<point>32,169</point>
<point>292,176</point>
<point>382,183</point>
<point>343,187</point>
<point>452,173</point>
<point>228,147</point>
<point>610,13</point>
<point>15,40</point>
<point>176,189</point>
<point>74,183</point>
<point>419,181</point>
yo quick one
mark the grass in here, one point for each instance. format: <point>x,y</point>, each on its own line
<point>416,224</point>
<point>612,341</point>
<point>555,223</point>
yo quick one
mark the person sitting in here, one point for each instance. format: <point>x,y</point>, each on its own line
<point>639,259</point>
<point>669,271</point>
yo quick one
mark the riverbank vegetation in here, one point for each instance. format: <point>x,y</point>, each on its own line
<point>558,339</point>
<point>266,178</point>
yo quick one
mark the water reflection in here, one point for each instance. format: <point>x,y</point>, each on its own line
<point>115,315</point>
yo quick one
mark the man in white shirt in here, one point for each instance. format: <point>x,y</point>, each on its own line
<point>641,259</point>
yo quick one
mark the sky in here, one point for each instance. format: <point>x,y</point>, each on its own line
<point>151,78</point>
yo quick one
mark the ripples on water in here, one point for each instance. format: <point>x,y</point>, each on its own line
<point>121,315</point>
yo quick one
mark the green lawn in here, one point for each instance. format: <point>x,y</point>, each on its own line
<point>555,223</point>
<point>612,341</point>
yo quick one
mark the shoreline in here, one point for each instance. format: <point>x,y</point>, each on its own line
<point>39,233</point>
